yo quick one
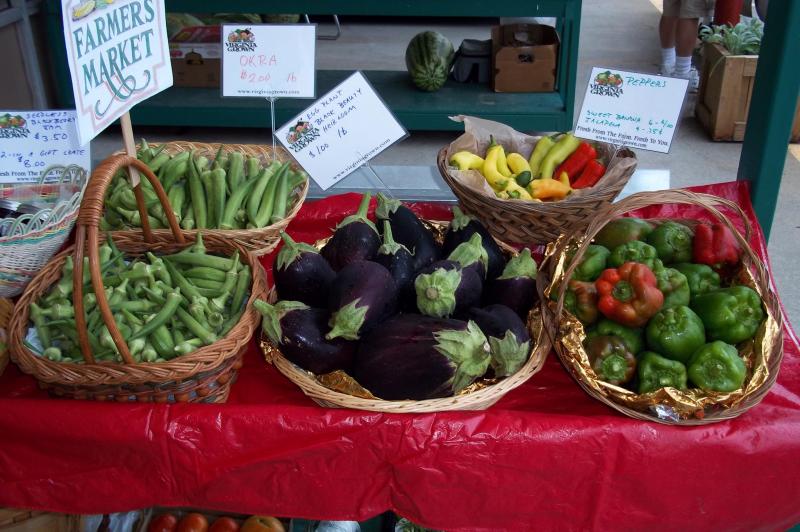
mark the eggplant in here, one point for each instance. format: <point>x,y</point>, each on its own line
<point>471,255</point>
<point>509,340</point>
<point>516,287</point>
<point>462,227</point>
<point>355,238</point>
<point>419,357</point>
<point>362,295</point>
<point>409,231</point>
<point>399,261</point>
<point>299,331</point>
<point>444,289</point>
<point>302,274</point>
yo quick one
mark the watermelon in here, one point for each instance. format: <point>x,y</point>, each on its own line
<point>429,57</point>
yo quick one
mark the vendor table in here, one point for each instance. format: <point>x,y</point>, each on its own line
<point>546,456</point>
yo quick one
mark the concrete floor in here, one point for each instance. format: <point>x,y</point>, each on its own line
<point>619,33</point>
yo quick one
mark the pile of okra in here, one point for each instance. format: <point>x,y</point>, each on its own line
<point>164,306</point>
<point>232,191</point>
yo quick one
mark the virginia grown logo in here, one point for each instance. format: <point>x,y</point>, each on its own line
<point>607,84</point>
<point>241,41</point>
<point>301,135</point>
<point>13,127</point>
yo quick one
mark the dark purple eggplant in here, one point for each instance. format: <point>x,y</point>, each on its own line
<point>444,289</point>
<point>362,295</point>
<point>462,227</point>
<point>299,331</point>
<point>302,274</point>
<point>508,337</point>
<point>356,238</point>
<point>471,255</point>
<point>408,230</point>
<point>418,357</point>
<point>516,287</point>
<point>399,261</point>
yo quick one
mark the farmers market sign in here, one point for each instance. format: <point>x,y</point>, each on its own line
<point>118,56</point>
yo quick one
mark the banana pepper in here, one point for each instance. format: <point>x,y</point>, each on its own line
<point>548,189</point>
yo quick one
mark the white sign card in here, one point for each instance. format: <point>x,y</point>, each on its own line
<point>118,56</point>
<point>269,60</point>
<point>631,109</point>
<point>345,128</point>
<point>32,141</point>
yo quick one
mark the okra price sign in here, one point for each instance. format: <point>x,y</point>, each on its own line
<point>631,109</point>
<point>342,130</point>
<point>268,60</point>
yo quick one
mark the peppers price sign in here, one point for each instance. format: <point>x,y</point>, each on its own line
<point>631,109</point>
<point>118,56</point>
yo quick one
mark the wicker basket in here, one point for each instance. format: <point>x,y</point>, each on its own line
<point>260,240</point>
<point>529,222</point>
<point>204,375</point>
<point>6,310</point>
<point>667,405</point>
<point>476,397</point>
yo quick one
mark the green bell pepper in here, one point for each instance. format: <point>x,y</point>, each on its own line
<point>731,314</point>
<point>611,360</point>
<point>622,230</point>
<point>675,333</point>
<point>656,372</point>
<point>580,300</point>
<point>593,263</point>
<point>673,242</point>
<point>633,338</point>
<point>674,285</point>
<point>717,367</point>
<point>701,277</point>
<point>635,251</point>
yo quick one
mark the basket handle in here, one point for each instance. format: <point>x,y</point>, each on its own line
<point>643,199</point>
<point>87,242</point>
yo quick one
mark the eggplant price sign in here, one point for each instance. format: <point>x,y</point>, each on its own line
<point>118,55</point>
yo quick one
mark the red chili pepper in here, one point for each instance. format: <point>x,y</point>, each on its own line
<point>584,153</point>
<point>715,245</point>
<point>591,174</point>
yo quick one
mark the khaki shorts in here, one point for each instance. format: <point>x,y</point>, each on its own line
<point>686,8</point>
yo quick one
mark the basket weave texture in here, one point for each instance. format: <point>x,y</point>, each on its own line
<point>6,310</point>
<point>477,399</point>
<point>262,239</point>
<point>767,346</point>
<point>204,375</point>
<point>529,222</point>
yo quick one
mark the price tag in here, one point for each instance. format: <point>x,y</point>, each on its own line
<point>118,56</point>
<point>341,131</point>
<point>32,141</point>
<point>631,109</point>
<point>268,60</point>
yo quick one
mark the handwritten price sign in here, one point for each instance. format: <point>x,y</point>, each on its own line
<point>268,60</point>
<point>631,109</point>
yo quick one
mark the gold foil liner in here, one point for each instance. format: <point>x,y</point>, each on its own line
<point>665,403</point>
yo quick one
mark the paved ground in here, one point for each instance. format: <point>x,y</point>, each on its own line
<point>618,33</point>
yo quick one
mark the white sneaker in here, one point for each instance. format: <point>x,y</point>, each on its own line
<point>666,70</point>
<point>692,77</point>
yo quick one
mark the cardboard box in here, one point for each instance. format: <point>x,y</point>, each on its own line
<point>196,64</point>
<point>524,58</point>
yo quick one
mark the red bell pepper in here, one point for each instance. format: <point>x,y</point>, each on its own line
<point>629,294</point>
<point>591,174</point>
<point>715,245</point>
<point>584,153</point>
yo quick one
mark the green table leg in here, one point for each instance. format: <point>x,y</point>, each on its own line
<point>769,122</point>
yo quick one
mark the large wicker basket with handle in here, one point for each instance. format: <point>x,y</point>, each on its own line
<point>204,375</point>
<point>762,355</point>
<point>260,239</point>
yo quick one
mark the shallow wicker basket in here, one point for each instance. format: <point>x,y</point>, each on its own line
<point>529,222</point>
<point>478,396</point>
<point>763,355</point>
<point>260,240</point>
<point>204,375</point>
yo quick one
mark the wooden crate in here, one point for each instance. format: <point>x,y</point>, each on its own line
<point>726,88</point>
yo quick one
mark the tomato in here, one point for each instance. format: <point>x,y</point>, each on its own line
<point>262,523</point>
<point>193,523</point>
<point>163,523</point>
<point>224,524</point>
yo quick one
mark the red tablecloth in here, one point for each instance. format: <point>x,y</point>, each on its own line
<point>546,456</point>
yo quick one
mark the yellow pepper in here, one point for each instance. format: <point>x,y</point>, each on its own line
<point>564,178</point>
<point>517,192</point>
<point>501,164</point>
<point>497,180</point>
<point>465,160</point>
<point>548,189</point>
<point>517,163</point>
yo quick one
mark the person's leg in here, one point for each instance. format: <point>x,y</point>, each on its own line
<point>685,39</point>
<point>667,32</point>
